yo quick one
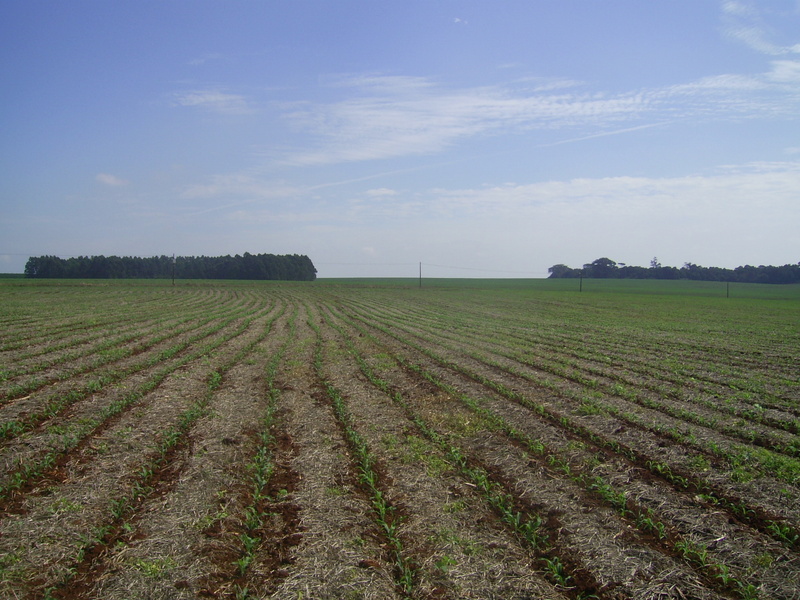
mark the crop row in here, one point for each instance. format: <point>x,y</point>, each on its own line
<point>779,528</point>
<point>594,396</point>
<point>96,342</point>
<point>528,526</point>
<point>160,459</point>
<point>245,441</point>
<point>619,360</point>
<point>722,371</point>
<point>158,363</point>
<point>72,435</point>
<point>783,468</point>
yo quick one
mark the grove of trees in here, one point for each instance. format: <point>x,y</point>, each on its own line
<point>605,268</point>
<point>247,266</point>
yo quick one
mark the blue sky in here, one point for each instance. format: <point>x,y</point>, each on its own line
<point>480,138</point>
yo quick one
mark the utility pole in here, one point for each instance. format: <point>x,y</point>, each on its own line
<point>420,275</point>
<point>173,269</point>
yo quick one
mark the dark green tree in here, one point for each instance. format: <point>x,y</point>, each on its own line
<point>602,268</point>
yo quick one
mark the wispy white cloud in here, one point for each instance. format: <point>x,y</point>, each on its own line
<point>394,116</point>
<point>388,116</point>
<point>375,116</point>
<point>739,195</point>
<point>603,134</point>
<point>744,187</point>
<point>785,71</point>
<point>275,217</point>
<point>234,190</point>
<point>237,185</point>
<point>385,116</point>
<point>215,101</point>
<point>112,180</point>
<point>381,192</point>
<point>731,96</point>
<point>250,193</point>
<point>744,20</point>
<point>207,57</point>
<point>392,85</point>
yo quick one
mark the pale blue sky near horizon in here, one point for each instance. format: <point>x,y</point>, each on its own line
<point>481,138</point>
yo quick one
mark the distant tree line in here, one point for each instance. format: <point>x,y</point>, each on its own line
<point>248,266</point>
<point>605,268</point>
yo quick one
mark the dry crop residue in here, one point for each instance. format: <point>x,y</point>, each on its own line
<point>247,440</point>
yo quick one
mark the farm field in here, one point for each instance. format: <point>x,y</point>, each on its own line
<point>370,439</point>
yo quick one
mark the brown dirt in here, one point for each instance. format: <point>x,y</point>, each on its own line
<point>726,540</point>
<point>317,535</point>
<point>61,508</point>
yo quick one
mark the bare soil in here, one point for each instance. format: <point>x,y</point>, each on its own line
<point>230,470</point>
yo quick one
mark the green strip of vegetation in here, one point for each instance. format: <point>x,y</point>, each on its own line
<point>142,486</point>
<point>384,512</point>
<point>643,518</point>
<point>684,481</point>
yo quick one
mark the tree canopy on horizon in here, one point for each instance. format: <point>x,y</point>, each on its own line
<point>605,268</point>
<point>292,267</point>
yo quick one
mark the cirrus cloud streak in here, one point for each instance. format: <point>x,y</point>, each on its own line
<point>383,117</point>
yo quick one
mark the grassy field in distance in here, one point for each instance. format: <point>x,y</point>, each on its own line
<point>613,286</point>
<point>609,286</point>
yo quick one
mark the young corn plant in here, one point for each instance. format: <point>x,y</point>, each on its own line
<point>557,572</point>
<point>142,487</point>
<point>385,515</point>
<point>643,518</point>
<point>525,525</point>
<point>261,465</point>
<point>785,467</point>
